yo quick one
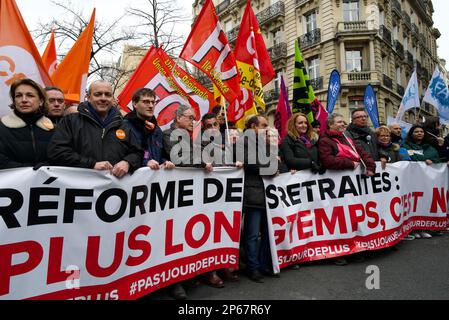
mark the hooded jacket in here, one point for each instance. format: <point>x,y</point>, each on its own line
<point>23,145</point>
<point>80,140</point>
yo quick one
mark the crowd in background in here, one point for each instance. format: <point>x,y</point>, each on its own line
<point>41,130</point>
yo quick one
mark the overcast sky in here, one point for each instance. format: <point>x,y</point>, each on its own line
<point>33,10</point>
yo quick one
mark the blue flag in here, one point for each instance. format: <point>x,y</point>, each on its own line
<point>333,92</point>
<point>371,106</point>
<point>437,94</point>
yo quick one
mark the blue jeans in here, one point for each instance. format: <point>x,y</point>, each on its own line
<point>257,254</point>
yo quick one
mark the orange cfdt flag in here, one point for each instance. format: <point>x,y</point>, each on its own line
<point>49,57</point>
<point>19,57</point>
<point>72,72</point>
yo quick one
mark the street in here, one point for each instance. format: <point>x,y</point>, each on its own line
<point>418,270</point>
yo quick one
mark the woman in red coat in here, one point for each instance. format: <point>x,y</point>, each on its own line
<point>339,152</point>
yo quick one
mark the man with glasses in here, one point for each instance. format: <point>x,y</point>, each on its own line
<point>361,134</point>
<point>143,125</point>
<point>95,138</point>
<point>56,104</point>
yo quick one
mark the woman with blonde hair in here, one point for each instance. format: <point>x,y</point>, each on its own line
<point>389,152</point>
<point>299,148</point>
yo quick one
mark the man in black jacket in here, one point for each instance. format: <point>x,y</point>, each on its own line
<point>95,138</point>
<point>361,134</point>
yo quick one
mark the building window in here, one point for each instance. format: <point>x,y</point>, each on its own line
<point>311,23</point>
<point>355,102</point>
<point>385,63</point>
<point>354,60</point>
<point>228,26</point>
<point>405,43</point>
<point>313,68</point>
<point>277,36</point>
<point>395,32</point>
<point>398,76</point>
<point>351,10</point>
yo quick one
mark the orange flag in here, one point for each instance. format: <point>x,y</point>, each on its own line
<point>19,57</point>
<point>49,57</point>
<point>71,75</point>
<point>208,49</point>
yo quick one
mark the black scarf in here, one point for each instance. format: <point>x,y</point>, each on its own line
<point>141,126</point>
<point>29,118</point>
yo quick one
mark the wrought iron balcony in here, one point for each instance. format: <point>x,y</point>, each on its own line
<point>407,20</point>
<point>309,39</point>
<point>399,49</point>
<point>410,59</point>
<point>400,89</point>
<point>232,35</point>
<point>272,12</point>
<point>271,96</point>
<point>278,51</point>
<point>386,34</point>
<point>396,7</point>
<point>317,83</point>
<point>222,6</point>
<point>388,82</point>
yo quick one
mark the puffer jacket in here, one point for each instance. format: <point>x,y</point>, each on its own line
<point>421,152</point>
<point>81,141</point>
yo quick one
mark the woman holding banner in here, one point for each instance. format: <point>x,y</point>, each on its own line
<point>389,152</point>
<point>339,152</point>
<point>419,149</point>
<point>25,132</point>
<point>299,147</point>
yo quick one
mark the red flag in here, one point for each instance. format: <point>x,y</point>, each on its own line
<point>250,47</point>
<point>283,112</point>
<point>19,57</point>
<point>49,57</point>
<point>71,75</point>
<point>208,49</point>
<point>155,72</point>
<point>320,114</point>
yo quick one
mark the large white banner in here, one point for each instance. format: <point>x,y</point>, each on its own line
<point>82,234</point>
<point>313,217</point>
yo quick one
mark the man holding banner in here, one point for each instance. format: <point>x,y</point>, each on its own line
<point>361,134</point>
<point>95,138</point>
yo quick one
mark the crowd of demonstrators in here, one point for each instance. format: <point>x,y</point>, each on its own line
<point>41,130</point>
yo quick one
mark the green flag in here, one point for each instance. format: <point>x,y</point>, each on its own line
<point>303,95</point>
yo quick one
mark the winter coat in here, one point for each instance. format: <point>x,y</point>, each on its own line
<point>328,150</point>
<point>421,152</point>
<point>393,153</point>
<point>365,138</point>
<point>254,188</point>
<point>183,159</point>
<point>298,157</point>
<point>150,141</point>
<point>23,145</point>
<point>81,141</point>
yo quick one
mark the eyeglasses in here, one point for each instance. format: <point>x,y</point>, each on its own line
<point>191,118</point>
<point>149,101</point>
<point>53,100</point>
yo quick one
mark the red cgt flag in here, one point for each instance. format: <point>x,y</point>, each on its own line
<point>155,72</point>
<point>49,57</point>
<point>19,57</point>
<point>208,49</point>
